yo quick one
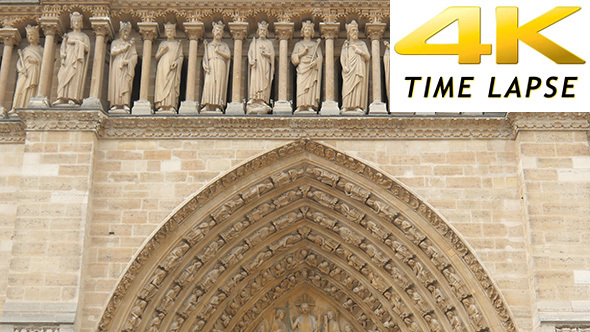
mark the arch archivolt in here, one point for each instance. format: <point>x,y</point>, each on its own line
<point>305,221</point>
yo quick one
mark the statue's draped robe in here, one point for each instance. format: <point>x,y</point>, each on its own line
<point>28,67</point>
<point>72,73</point>
<point>305,323</point>
<point>333,326</point>
<point>215,85</point>
<point>262,72</point>
<point>278,326</point>
<point>168,78</point>
<point>309,74</point>
<point>354,81</point>
<point>121,74</point>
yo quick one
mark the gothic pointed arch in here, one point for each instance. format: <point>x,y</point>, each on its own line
<point>305,223</point>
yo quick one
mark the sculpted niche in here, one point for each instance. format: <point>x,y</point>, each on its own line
<point>355,72</point>
<point>74,63</point>
<point>169,57</point>
<point>28,67</point>
<point>307,57</point>
<point>122,71</point>
<point>261,60</point>
<point>216,65</point>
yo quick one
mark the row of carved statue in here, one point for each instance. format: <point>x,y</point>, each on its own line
<point>306,57</point>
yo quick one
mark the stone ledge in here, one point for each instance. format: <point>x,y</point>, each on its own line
<point>39,312</point>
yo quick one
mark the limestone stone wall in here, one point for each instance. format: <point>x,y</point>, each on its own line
<point>76,206</point>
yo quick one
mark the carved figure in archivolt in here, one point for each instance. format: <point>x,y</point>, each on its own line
<point>122,70</point>
<point>278,325</point>
<point>355,71</point>
<point>74,63</point>
<point>169,57</point>
<point>28,67</point>
<point>216,65</point>
<point>331,323</point>
<point>261,58</point>
<point>307,57</point>
<point>386,67</point>
<point>305,322</point>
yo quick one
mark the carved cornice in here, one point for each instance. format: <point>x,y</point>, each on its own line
<point>12,132</point>
<point>284,30</point>
<point>238,29</point>
<point>549,121</point>
<point>329,30</point>
<point>573,328</point>
<point>315,128</point>
<point>62,120</point>
<point>194,30</point>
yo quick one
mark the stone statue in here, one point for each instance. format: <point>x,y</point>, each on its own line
<point>305,322</point>
<point>307,57</point>
<point>262,327</point>
<point>74,63</point>
<point>347,328</point>
<point>332,322</point>
<point>261,58</point>
<point>355,72</point>
<point>122,71</point>
<point>28,67</point>
<point>169,57</point>
<point>386,64</point>
<point>216,65</point>
<point>279,323</point>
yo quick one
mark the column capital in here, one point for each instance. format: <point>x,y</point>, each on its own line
<point>284,30</point>
<point>239,30</point>
<point>148,30</point>
<point>375,31</point>
<point>194,30</point>
<point>51,25</point>
<point>329,30</point>
<point>10,36</point>
<point>102,26</point>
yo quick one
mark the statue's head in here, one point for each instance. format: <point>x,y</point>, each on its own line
<point>218,30</point>
<point>352,30</point>
<point>76,20</point>
<point>307,29</point>
<point>125,30</point>
<point>170,30</point>
<point>304,308</point>
<point>262,29</point>
<point>331,315</point>
<point>280,314</point>
<point>32,34</point>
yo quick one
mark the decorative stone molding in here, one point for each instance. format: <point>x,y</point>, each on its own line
<point>12,132</point>
<point>28,328</point>
<point>194,30</point>
<point>10,36</point>
<point>62,120</point>
<point>375,31</point>
<point>284,30</point>
<point>549,121</point>
<point>572,328</point>
<point>102,26</point>
<point>314,128</point>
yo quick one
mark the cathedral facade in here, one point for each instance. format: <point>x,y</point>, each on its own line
<point>188,166</point>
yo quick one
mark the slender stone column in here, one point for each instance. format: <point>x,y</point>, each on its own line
<point>51,28</point>
<point>238,31</point>
<point>284,32</point>
<point>194,32</point>
<point>103,28</point>
<point>10,37</point>
<point>149,32</point>
<point>329,32</point>
<point>375,32</point>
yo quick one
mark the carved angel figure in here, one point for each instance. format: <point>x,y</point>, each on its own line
<point>28,67</point>
<point>74,63</point>
<point>261,58</point>
<point>355,74</point>
<point>307,57</point>
<point>216,65</point>
<point>169,57</point>
<point>122,71</point>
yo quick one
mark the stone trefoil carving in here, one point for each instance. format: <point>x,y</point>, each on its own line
<point>307,57</point>
<point>355,72</point>
<point>74,64</point>
<point>261,60</point>
<point>28,67</point>
<point>216,66</point>
<point>123,61</point>
<point>169,57</point>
